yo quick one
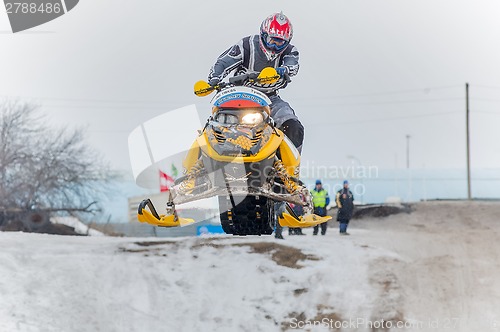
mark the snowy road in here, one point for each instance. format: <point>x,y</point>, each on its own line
<point>433,270</point>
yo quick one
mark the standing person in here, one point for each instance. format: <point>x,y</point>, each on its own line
<point>278,231</point>
<point>299,211</point>
<point>320,202</point>
<point>270,48</point>
<point>345,204</point>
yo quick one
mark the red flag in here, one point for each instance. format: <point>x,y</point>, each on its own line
<point>166,182</point>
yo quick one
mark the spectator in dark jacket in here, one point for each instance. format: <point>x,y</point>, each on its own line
<point>345,204</point>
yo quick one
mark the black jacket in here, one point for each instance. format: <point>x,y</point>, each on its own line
<point>344,199</point>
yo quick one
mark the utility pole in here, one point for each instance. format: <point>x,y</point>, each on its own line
<point>408,151</point>
<point>408,167</point>
<point>469,196</point>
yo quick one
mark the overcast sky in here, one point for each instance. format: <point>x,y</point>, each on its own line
<point>371,72</point>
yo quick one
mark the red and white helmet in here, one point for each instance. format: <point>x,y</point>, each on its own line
<point>276,32</point>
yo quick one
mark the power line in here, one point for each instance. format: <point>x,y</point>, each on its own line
<point>159,107</point>
<point>487,112</point>
<point>388,119</point>
<point>107,131</point>
<point>486,86</point>
<point>411,101</point>
<point>89,100</point>
<point>425,90</point>
<point>486,99</point>
<point>135,108</point>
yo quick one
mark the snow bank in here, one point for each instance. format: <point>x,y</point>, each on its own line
<point>437,265</point>
<point>79,226</point>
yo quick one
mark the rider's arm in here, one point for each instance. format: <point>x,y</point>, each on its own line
<point>226,62</point>
<point>291,61</point>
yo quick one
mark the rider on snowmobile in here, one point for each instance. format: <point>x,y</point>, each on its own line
<point>271,48</point>
<point>228,146</point>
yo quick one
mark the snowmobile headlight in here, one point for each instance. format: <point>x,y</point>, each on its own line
<point>252,119</point>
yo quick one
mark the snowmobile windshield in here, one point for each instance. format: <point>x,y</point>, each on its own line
<point>241,116</point>
<point>227,118</point>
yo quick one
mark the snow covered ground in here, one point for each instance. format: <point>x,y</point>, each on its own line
<point>435,269</point>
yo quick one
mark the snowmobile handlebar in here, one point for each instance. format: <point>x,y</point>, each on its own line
<point>267,76</point>
<point>242,79</point>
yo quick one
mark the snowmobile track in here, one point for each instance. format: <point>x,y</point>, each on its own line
<point>252,216</point>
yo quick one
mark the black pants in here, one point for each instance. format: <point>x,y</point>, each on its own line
<point>294,130</point>
<point>322,213</point>
<point>324,226</point>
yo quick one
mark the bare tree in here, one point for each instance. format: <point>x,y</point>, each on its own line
<point>42,168</point>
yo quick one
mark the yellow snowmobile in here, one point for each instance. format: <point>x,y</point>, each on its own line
<point>241,157</point>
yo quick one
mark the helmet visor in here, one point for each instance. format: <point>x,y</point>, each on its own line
<point>275,43</point>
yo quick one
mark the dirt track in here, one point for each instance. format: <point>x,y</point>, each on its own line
<point>444,272</point>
